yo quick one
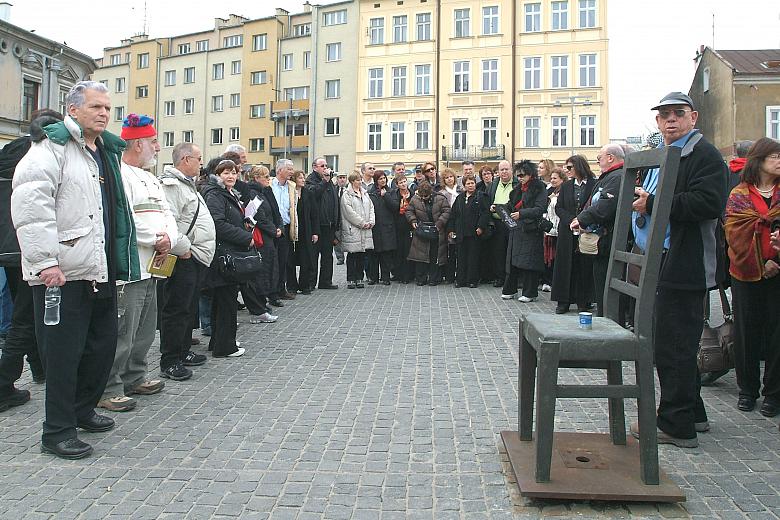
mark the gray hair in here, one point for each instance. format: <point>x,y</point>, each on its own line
<point>284,163</point>
<point>77,95</point>
<point>180,151</point>
<point>615,149</point>
<point>236,148</point>
<point>742,147</point>
<point>319,158</point>
<point>363,166</point>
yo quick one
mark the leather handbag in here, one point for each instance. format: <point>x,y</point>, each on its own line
<point>588,243</point>
<point>716,346</point>
<point>240,266</point>
<point>427,231</point>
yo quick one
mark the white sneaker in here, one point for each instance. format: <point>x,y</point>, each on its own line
<point>546,288</point>
<point>237,353</point>
<point>263,318</point>
<point>508,296</point>
<point>526,299</point>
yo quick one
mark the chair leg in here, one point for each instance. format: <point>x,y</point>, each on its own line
<point>548,359</point>
<point>617,414</point>
<point>648,439</point>
<point>526,385</point>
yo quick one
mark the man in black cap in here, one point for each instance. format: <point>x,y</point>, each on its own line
<point>688,269</point>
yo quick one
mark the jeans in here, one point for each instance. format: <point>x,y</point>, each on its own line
<point>6,304</point>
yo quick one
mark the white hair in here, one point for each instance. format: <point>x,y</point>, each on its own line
<point>180,151</point>
<point>283,163</point>
<point>77,95</point>
<point>236,148</point>
<point>615,149</point>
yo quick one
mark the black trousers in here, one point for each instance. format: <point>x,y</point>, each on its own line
<point>21,336</point>
<point>255,303</point>
<point>468,261</point>
<point>380,260</point>
<point>678,321</point>
<point>77,354</point>
<point>302,256</point>
<point>529,280</point>
<point>600,267</point>
<point>499,243</point>
<point>324,248</point>
<point>403,269</point>
<point>355,263</point>
<point>282,253</point>
<point>179,307</point>
<point>429,272</point>
<point>757,330</point>
<point>449,269</point>
<point>224,310</point>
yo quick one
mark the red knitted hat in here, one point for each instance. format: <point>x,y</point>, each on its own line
<point>137,127</point>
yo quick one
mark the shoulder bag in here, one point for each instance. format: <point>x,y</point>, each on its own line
<point>716,345</point>
<point>427,230</point>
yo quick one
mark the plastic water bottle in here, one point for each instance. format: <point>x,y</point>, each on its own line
<point>51,311</point>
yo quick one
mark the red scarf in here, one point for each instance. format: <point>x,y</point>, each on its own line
<point>737,165</point>
<point>747,231</point>
<point>523,188</point>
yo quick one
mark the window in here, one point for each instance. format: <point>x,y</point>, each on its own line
<point>489,132</point>
<point>302,29</point>
<point>333,51</point>
<point>459,131</point>
<point>773,122</point>
<point>560,71</point>
<point>115,59</point>
<point>297,129</point>
<point>424,26</point>
<point>104,82</point>
<point>332,88</point>
<point>184,48</point>
<point>235,100</point>
<point>532,72</point>
<point>462,23</point>
<point>259,42</point>
<point>168,140</point>
<point>217,103</point>
<point>287,61</point>
<point>256,111</point>
<point>143,61</point>
<point>257,144</point>
<point>399,29</point>
<point>216,136</point>
<point>560,16</point>
<point>422,80</point>
<point>63,106</point>
<point>705,80</point>
<point>374,136</point>
<point>189,75</point>
<point>235,67</point>
<point>462,71</point>
<point>142,91</point>
<point>559,125</point>
<point>119,113</point>
<point>306,59</point>
<point>333,162</point>
<point>331,126</point>
<point>187,136</point>
<point>376,31</point>
<point>170,78</point>
<point>421,134</point>
<point>335,18</point>
<point>201,46</point>
<point>237,40</point>
<point>375,82</point>
<point>218,71</point>
<point>169,108</point>
<point>399,81</point>
<point>296,93</point>
<point>29,98</point>
<point>587,130</point>
<point>397,135</point>
<point>587,13</point>
<point>235,133</point>
<point>489,75</point>
<point>587,70</point>
<point>490,19</point>
<point>533,17</point>
<point>531,125</point>
<point>120,85</point>
<point>258,77</point>
<point>189,105</point>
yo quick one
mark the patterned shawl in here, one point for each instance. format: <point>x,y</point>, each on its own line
<point>747,231</point>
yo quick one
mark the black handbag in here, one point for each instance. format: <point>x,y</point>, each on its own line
<point>716,345</point>
<point>427,231</point>
<point>240,266</point>
<point>545,225</point>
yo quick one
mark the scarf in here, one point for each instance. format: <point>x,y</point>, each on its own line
<point>748,220</point>
<point>737,165</point>
<point>523,188</point>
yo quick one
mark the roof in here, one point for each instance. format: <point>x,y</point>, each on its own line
<point>752,61</point>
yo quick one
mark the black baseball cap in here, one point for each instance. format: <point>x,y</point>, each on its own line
<point>675,98</point>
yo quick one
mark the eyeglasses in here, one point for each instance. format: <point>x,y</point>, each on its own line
<point>773,156</point>
<point>679,112</point>
<point>569,167</point>
<point>599,157</point>
<point>193,157</point>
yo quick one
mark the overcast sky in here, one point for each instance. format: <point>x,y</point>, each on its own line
<point>652,43</point>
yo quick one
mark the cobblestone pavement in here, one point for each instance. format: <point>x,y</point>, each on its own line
<point>381,403</point>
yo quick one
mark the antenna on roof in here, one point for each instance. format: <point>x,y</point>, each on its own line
<point>145,18</point>
<point>713,30</point>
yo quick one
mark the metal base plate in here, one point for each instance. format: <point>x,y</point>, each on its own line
<point>586,466</point>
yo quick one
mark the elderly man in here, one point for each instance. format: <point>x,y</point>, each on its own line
<point>341,185</point>
<point>76,232</point>
<point>195,247</point>
<point>688,269</point>
<point>367,170</point>
<point>137,301</point>
<point>499,195</point>
<point>283,192</point>
<point>319,182</point>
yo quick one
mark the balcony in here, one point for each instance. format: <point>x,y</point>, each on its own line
<point>473,153</point>
<point>292,108</point>
<point>293,144</point>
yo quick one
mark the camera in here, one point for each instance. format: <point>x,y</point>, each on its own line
<point>775,226</point>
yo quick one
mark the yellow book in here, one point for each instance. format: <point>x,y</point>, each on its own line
<point>161,265</point>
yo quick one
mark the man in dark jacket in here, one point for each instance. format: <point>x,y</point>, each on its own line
<point>688,269</point>
<point>326,196</point>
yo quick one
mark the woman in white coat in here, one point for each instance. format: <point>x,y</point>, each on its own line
<point>357,219</point>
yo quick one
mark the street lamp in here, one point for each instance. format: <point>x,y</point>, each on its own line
<point>572,100</point>
<point>48,64</point>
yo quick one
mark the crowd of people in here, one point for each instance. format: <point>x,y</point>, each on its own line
<point>93,221</point>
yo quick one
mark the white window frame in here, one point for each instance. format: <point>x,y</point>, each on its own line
<point>169,108</point>
<point>120,84</point>
<point>588,70</point>
<point>376,78</point>
<point>115,59</point>
<point>423,29</point>
<point>287,61</point>
<point>235,67</point>
<point>216,136</point>
<point>306,59</point>
<point>532,72</point>
<point>302,29</point>
<point>400,28</point>
<point>184,48</point>
<point>560,15</point>
<point>333,162</point>
<point>490,132</point>
<point>143,61</point>
<point>218,71</point>
<point>235,100</point>
<point>376,31</point>
<point>490,75</point>
<point>333,51</point>
<point>399,81</point>
<point>587,14</point>
<point>257,111</point>
<point>119,113</point>
<point>168,139</point>
<point>142,91</point>
<point>257,144</point>
<point>531,129</point>
<point>773,121</point>
<point>374,142</point>
<point>189,75</point>
<point>560,131</point>
<point>532,17</point>
<point>332,126</point>
<point>235,40</point>
<point>490,20</point>
<point>258,77</point>
<point>187,136</point>
<point>461,76</point>
<point>189,105</point>
<point>705,79</point>
<point>235,133</point>
<point>397,135</point>
<point>460,134</point>
<point>462,23</point>
<point>334,18</point>
<point>201,45</point>
<point>218,103</point>
<point>422,79</point>
<point>422,135</point>
<point>588,130</point>
<point>559,69</point>
<point>293,93</point>
<point>170,78</point>
<point>260,42</point>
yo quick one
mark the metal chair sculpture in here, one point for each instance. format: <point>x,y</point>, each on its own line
<point>551,342</point>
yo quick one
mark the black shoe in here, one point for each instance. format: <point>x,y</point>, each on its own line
<point>587,307</point>
<point>359,285</point>
<point>351,285</point>
<point>329,286</point>
<point>96,423</point>
<point>372,282</point>
<point>191,359</point>
<point>746,404</point>
<point>472,286</point>
<point>339,262</point>
<point>498,283</point>
<point>709,378</point>
<point>386,282</point>
<point>17,397</point>
<point>433,284</point>
<point>305,291</point>
<point>562,308</point>
<point>276,303</point>
<point>420,284</point>
<point>68,449</point>
<point>241,306</point>
<point>177,372</point>
<point>769,408</point>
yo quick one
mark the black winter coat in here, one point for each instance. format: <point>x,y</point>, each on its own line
<point>526,247</point>
<point>466,217</point>
<point>602,213</point>
<point>308,225</point>
<point>326,197</point>
<point>383,232</point>
<point>267,280</point>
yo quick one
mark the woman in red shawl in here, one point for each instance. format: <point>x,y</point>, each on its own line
<point>752,207</point>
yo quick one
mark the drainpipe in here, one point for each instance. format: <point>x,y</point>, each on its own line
<point>437,147</point>
<point>315,31</point>
<point>515,130</point>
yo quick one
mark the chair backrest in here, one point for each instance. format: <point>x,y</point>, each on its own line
<point>668,160</point>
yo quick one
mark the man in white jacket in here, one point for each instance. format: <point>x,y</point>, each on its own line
<point>156,234</point>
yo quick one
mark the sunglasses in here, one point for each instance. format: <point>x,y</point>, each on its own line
<point>569,167</point>
<point>679,112</point>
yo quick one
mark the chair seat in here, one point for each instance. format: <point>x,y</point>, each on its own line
<point>605,341</point>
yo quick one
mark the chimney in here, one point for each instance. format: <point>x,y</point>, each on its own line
<point>306,7</point>
<point>5,11</point>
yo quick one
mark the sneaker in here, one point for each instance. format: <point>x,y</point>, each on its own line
<point>151,387</point>
<point>237,353</point>
<point>264,318</point>
<point>546,288</point>
<point>191,359</point>
<point>120,403</point>
<point>526,299</point>
<point>665,438</point>
<point>17,397</point>
<point>508,296</point>
<point>177,372</point>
